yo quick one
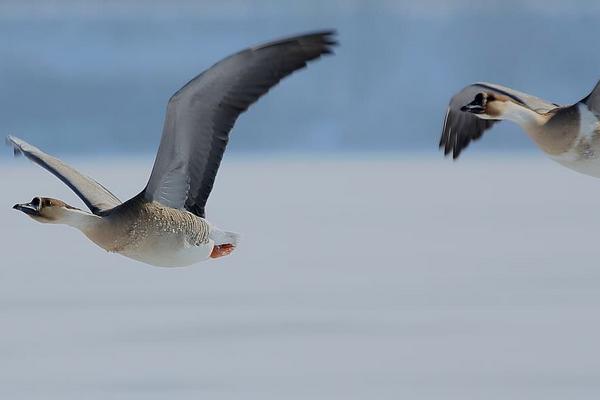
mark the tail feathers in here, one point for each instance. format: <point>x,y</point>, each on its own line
<point>224,237</point>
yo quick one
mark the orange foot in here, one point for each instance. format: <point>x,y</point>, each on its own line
<point>221,250</point>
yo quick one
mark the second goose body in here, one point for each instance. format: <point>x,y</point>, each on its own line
<point>568,134</point>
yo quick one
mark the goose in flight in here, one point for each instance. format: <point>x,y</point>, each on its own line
<point>568,134</point>
<point>165,224</point>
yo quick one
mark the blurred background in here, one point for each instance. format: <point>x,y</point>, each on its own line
<point>370,267</point>
<point>95,76</point>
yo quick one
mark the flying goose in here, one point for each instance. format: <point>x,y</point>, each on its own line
<point>165,224</point>
<point>567,134</point>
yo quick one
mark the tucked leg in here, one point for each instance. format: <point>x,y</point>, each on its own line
<point>221,250</point>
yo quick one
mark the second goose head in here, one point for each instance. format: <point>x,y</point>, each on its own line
<point>488,105</point>
<point>494,106</point>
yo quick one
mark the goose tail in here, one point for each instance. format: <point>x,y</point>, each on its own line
<point>224,237</point>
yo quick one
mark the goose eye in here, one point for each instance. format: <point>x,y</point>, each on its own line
<point>35,202</point>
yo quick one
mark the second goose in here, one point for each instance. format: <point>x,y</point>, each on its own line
<point>567,134</point>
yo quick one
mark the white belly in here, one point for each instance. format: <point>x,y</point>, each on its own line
<point>584,155</point>
<point>169,252</point>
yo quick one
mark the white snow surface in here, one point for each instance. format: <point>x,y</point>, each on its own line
<point>396,278</point>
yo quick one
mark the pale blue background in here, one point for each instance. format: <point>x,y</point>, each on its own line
<point>369,266</point>
<point>95,76</point>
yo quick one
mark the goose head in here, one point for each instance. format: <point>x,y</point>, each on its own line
<point>488,105</point>
<point>47,210</point>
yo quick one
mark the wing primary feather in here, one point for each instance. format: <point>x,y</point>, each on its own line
<point>201,114</point>
<point>95,196</point>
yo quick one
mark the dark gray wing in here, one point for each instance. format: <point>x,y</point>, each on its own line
<point>201,114</point>
<point>460,128</point>
<point>94,195</point>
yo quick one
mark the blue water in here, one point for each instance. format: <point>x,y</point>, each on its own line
<point>96,79</point>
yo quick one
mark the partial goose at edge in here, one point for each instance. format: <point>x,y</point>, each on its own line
<point>567,134</point>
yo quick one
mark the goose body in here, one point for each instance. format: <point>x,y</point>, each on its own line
<point>569,135</point>
<point>582,153</point>
<point>165,224</point>
<point>154,234</point>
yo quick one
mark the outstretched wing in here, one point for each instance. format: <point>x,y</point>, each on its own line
<point>94,195</point>
<point>201,114</point>
<point>460,128</point>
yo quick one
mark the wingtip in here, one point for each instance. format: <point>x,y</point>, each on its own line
<point>322,38</point>
<point>326,39</point>
<point>326,33</point>
<point>11,141</point>
<point>329,37</point>
<point>449,151</point>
